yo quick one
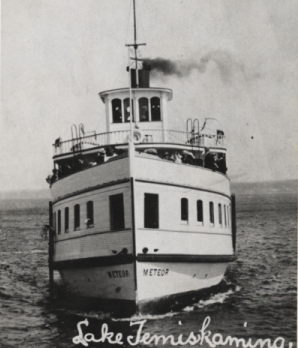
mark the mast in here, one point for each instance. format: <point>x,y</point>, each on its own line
<point>135,42</point>
<point>135,45</point>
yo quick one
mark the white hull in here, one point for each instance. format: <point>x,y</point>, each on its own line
<point>111,282</point>
<point>158,280</point>
<point>154,280</point>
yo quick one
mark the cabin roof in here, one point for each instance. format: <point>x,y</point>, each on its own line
<point>156,89</point>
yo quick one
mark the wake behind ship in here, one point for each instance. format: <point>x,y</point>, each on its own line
<point>141,212</point>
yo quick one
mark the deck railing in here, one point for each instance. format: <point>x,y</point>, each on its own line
<point>149,136</point>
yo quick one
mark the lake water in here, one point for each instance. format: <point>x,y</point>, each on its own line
<point>257,298</point>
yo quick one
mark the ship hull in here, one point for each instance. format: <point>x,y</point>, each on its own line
<point>159,280</point>
<point>115,282</point>
<point>154,283</point>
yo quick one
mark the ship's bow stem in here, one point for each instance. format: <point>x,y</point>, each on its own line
<point>131,152</point>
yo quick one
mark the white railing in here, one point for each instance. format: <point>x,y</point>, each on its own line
<point>149,136</point>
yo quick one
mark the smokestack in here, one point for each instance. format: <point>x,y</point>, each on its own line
<point>144,77</point>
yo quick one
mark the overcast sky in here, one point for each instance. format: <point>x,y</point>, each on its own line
<point>58,54</point>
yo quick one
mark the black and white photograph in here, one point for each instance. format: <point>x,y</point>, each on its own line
<point>149,173</point>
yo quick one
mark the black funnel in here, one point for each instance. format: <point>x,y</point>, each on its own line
<point>144,78</point>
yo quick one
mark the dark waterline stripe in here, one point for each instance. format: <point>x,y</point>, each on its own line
<point>186,258</point>
<point>103,261</point>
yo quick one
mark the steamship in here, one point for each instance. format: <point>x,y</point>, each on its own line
<point>141,212</point>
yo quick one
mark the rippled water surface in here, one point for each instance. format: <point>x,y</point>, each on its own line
<point>257,298</point>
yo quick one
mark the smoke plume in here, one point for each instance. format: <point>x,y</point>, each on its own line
<point>181,68</point>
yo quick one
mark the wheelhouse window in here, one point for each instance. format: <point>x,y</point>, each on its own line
<point>59,221</point>
<point>151,218</point>
<point>184,209</point>
<point>219,214</point>
<point>76,217</point>
<point>127,110</point>
<point>66,220</point>
<point>155,109</point>
<point>143,110</point>
<point>117,110</point>
<point>117,212</point>
<point>90,215</point>
<point>211,212</point>
<point>200,211</point>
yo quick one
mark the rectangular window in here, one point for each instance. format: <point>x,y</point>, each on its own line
<point>90,218</point>
<point>117,212</point>
<point>54,222</point>
<point>200,211</point>
<point>76,217</point>
<point>225,214</point>
<point>211,212</point>
<point>127,110</point>
<point>184,209</point>
<point>66,220</point>
<point>59,221</point>
<point>151,218</point>
<point>219,214</point>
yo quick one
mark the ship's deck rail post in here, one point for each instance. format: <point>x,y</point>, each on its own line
<point>149,136</point>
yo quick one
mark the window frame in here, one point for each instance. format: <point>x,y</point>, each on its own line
<point>184,216</point>
<point>59,222</point>
<point>148,213</point>
<point>200,211</point>
<point>125,120</point>
<point>152,111</point>
<point>54,222</point>
<point>220,214</point>
<point>117,222</point>
<point>119,101</point>
<point>77,217</point>
<point>140,100</point>
<point>66,220</point>
<point>211,213</point>
<point>90,209</point>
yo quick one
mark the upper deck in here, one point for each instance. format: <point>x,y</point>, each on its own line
<point>163,137</point>
<point>139,114</point>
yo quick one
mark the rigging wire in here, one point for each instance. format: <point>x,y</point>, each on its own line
<point>124,60</point>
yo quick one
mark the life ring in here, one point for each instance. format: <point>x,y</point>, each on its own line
<point>137,136</point>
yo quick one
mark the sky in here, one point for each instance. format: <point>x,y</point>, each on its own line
<point>57,55</point>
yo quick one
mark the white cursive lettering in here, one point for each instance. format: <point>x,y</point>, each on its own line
<point>89,337</point>
<point>204,338</point>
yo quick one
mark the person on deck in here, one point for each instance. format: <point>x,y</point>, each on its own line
<point>210,162</point>
<point>187,157</point>
<point>221,164</point>
<point>177,157</point>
